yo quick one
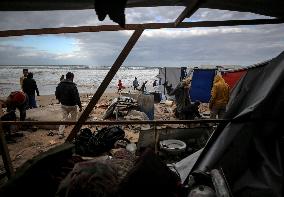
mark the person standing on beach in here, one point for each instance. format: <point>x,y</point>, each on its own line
<point>220,94</point>
<point>143,87</point>
<point>62,77</point>
<point>135,83</point>
<point>67,94</point>
<point>30,87</point>
<point>25,74</point>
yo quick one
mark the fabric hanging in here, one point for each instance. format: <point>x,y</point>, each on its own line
<point>201,84</point>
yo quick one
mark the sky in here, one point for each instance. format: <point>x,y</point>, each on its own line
<point>238,45</point>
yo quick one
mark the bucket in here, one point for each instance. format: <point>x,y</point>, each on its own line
<point>173,146</point>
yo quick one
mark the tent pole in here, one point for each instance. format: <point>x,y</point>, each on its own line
<point>115,67</point>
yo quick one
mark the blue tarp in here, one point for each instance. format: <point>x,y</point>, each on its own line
<point>201,85</point>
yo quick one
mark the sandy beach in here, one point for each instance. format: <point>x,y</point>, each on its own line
<point>34,143</point>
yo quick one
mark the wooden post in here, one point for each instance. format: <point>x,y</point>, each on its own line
<point>62,30</point>
<point>118,62</point>
<point>5,154</point>
<point>190,9</point>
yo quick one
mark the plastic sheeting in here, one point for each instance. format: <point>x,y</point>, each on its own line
<point>202,81</point>
<point>232,78</point>
<point>250,148</point>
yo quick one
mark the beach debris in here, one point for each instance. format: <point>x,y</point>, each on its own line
<point>88,143</point>
<point>120,106</point>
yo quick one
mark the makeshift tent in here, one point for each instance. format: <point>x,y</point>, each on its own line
<point>201,84</point>
<point>232,77</point>
<point>250,148</point>
<point>173,75</point>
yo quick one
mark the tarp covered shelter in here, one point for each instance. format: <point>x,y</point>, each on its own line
<point>232,77</point>
<point>170,74</point>
<point>250,148</point>
<point>201,84</point>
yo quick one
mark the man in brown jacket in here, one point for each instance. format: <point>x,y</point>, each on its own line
<point>220,94</point>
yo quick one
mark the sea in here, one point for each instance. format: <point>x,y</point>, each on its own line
<point>87,78</point>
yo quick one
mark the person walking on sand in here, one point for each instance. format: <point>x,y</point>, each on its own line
<point>68,95</point>
<point>135,84</point>
<point>25,74</point>
<point>30,87</point>
<point>219,97</point>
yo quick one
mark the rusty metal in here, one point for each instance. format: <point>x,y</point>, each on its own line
<point>61,30</point>
<point>5,154</point>
<point>115,67</point>
<point>119,122</point>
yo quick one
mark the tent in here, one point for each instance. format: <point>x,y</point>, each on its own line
<point>173,75</point>
<point>250,148</point>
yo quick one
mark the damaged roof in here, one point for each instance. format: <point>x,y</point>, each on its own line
<point>273,8</point>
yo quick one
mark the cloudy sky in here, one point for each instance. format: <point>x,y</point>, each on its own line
<point>239,45</point>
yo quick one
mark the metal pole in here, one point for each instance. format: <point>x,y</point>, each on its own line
<point>118,62</point>
<point>5,154</point>
<point>122,122</point>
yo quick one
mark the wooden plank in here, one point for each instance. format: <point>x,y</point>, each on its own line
<point>118,62</point>
<point>61,30</point>
<point>5,154</point>
<point>190,9</point>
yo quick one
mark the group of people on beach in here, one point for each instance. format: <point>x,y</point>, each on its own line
<point>186,110</point>
<point>135,85</point>
<point>66,93</point>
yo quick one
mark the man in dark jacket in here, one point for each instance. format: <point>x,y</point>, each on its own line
<point>30,87</point>
<point>68,95</point>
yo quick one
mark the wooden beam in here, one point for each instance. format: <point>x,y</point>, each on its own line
<point>5,154</point>
<point>190,9</point>
<point>61,30</point>
<point>118,62</point>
